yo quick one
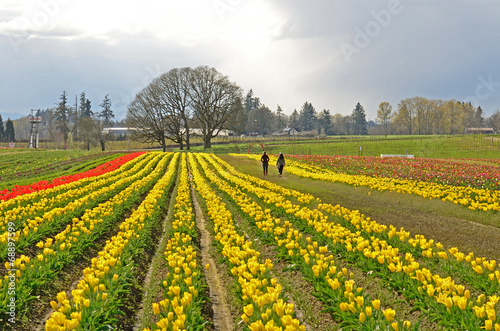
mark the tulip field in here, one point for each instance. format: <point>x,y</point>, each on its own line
<point>76,249</point>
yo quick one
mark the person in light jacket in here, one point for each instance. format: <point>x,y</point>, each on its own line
<point>280,164</point>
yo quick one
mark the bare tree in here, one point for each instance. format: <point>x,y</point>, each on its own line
<point>173,92</point>
<point>145,116</point>
<point>214,99</point>
<point>384,115</point>
<point>174,101</point>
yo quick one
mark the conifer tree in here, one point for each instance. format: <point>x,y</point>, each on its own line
<point>307,117</point>
<point>10,134</point>
<point>106,114</point>
<point>2,130</point>
<point>359,120</point>
<point>62,119</point>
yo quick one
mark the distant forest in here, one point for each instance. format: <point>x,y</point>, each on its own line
<point>412,116</point>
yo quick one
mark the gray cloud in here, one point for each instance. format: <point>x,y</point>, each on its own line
<point>287,52</point>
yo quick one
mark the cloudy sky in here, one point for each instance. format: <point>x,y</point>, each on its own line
<point>330,53</point>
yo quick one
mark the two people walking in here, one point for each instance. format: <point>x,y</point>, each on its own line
<point>280,163</point>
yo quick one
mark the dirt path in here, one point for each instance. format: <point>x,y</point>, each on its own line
<point>222,318</point>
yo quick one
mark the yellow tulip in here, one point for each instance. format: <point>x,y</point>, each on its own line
<point>156,308</point>
<point>248,309</point>
<point>389,314</point>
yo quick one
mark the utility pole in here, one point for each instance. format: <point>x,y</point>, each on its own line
<point>34,135</point>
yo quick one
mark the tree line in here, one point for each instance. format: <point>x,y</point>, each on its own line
<point>258,119</point>
<point>67,123</point>
<point>413,116</point>
<point>201,101</point>
<point>186,101</point>
<point>421,116</point>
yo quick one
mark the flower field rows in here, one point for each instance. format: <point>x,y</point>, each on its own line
<point>22,165</point>
<point>473,198</point>
<point>7,194</point>
<point>440,293</point>
<point>75,256</point>
<point>184,284</point>
<point>483,174</point>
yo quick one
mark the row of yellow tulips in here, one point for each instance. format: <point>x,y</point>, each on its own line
<point>473,198</point>
<point>488,268</point>
<point>385,254</point>
<point>96,299</point>
<point>181,305</point>
<point>315,259</point>
<point>424,247</point>
<point>56,252</point>
<point>264,307</point>
<point>52,196</point>
<point>76,197</point>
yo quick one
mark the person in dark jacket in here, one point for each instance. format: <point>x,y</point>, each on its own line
<point>280,164</point>
<point>265,162</point>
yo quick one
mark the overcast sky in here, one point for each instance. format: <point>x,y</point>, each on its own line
<point>330,53</point>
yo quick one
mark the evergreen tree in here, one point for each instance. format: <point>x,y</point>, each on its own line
<point>260,120</point>
<point>75,118</point>
<point>325,121</point>
<point>280,118</point>
<point>106,114</point>
<point>478,119</point>
<point>294,119</point>
<point>307,117</point>
<point>62,118</point>
<point>359,120</point>
<point>10,134</point>
<point>2,130</point>
<point>251,102</point>
<point>106,120</point>
<point>88,109</point>
<point>85,107</point>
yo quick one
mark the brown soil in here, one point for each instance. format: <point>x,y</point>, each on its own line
<point>221,316</point>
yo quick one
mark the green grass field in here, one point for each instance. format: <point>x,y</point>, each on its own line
<point>463,146</point>
<point>456,146</point>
